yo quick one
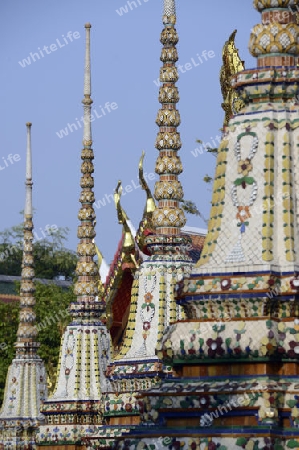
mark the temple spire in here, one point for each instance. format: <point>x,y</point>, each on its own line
<point>86,287</point>
<point>28,203</point>
<point>81,377</point>
<point>87,102</point>
<point>25,387</point>
<point>168,218</point>
<point>27,332</point>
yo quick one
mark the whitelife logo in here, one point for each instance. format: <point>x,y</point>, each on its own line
<point>194,62</point>
<point>71,127</point>
<point>128,188</point>
<point>9,160</point>
<point>48,49</point>
<point>124,9</point>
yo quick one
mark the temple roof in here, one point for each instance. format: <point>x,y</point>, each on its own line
<point>198,238</point>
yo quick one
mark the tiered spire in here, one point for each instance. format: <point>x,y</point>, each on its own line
<point>79,380</point>
<point>87,309</point>
<point>168,218</point>
<point>75,407</point>
<point>26,379</point>
<point>241,302</point>
<point>26,345</point>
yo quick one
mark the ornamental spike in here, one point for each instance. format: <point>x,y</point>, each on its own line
<point>150,202</point>
<point>26,335</point>
<point>28,202</point>
<point>168,217</point>
<point>87,309</point>
<point>85,347</point>
<point>26,381</point>
<point>87,102</point>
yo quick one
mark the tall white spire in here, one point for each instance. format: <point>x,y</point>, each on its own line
<point>169,8</point>
<point>28,201</point>
<point>87,101</point>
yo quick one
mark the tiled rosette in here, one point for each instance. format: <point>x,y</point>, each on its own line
<point>244,190</point>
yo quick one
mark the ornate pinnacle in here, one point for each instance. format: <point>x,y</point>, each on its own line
<point>168,218</point>
<point>87,310</point>
<point>26,346</point>
<point>231,64</point>
<point>129,242</point>
<point>150,202</point>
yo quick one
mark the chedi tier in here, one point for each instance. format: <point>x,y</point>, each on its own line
<point>237,351</point>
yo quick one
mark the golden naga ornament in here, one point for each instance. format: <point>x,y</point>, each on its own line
<point>129,242</point>
<point>150,202</point>
<point>232,64</point>
<point>150,206</point>
<point>101,288</point>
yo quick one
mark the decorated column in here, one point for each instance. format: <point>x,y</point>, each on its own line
<point>75,410</point>
<point>168,217</point>
<point>26,386</point>
<point>237,352</point>
<point>137,367</point>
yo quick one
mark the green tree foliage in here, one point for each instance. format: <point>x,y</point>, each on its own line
<point>190,208</point>
<point>212,150</point>
<point>187,205</point>
<point>207,179</point>
<point>51,319</point>
<point>9,319</point>
<point>51,257</point>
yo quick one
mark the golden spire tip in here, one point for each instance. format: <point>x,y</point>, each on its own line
<point>87,25</point>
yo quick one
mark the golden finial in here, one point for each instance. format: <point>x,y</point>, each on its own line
<point>99,255</point>
<point>123,219</point>
<point>232,64</point>
<point>150,205</point>
<point>99,263</point>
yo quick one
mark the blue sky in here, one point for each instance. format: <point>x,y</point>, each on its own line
<point>125,51</point>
